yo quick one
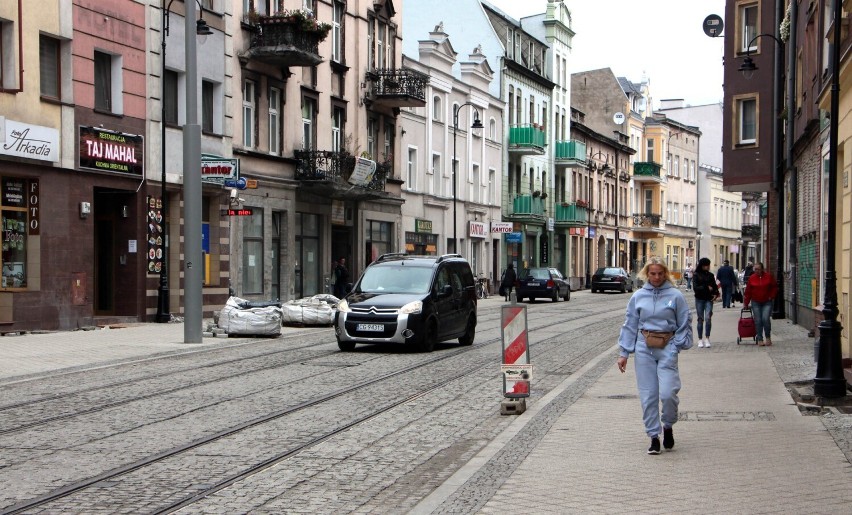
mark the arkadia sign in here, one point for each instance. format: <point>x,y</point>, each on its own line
<point>111,151</point>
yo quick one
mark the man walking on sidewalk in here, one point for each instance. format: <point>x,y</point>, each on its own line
<point>728,278</point>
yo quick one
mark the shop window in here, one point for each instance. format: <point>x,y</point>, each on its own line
<point>253,252</point>
<point>378,238</point>
<point>14,227</point>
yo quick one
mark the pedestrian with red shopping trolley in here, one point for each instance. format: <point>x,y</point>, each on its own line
<point>760,293</point>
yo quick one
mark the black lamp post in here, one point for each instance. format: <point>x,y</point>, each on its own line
<point>747,68</point>
<point>697,247</point>
<point>201,29</point>
<point>477,124</point>
<point>829,380</point>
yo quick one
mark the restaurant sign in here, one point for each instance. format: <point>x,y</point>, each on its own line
<point>111,151</point>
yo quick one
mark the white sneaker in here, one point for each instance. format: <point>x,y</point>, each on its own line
<point>700,343</point>
<point>707,342</point>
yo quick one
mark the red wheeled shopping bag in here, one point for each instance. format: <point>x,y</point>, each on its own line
<point>745,327</point>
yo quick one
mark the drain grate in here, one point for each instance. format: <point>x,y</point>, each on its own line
<point>726,416</point>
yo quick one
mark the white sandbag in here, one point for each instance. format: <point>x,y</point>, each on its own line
<point>254,321</point>
<point>291,313</point>
<point>318,314</point>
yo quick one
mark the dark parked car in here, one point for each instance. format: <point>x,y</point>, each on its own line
<point>542,283</point>
<point>412,300</point>
<point>609,278</point>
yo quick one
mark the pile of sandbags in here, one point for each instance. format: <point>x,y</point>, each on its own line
<point>243,317</point>
<point>316,310</point>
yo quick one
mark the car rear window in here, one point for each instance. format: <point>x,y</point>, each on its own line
<point>610,271</point>
<point>538,273</point>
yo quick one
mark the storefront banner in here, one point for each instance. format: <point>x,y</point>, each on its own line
<point>111,151</point>
<point>551,224</point>
<point>477,229</point>
<point>28,141</point>
<point>592,232</point>
<point>216,169</point>
<point>501,227</point>
<point>514,237</point>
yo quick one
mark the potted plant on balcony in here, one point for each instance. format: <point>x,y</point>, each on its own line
<point>582,203</point>
<point>536,194</point>
<point>543,195</point>
<point>566,204</point>
<point>300,18</point>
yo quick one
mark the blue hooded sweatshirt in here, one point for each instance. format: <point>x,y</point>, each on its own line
<point>662,309</point>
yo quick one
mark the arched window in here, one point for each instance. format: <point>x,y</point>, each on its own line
<point>436,109</point>
<point>492,129</point>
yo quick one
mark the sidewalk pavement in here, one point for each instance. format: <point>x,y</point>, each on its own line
<point>741,445</point>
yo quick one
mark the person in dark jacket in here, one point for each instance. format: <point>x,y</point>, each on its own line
<point>508,281</point>
<point>341,279</point>
<point>747,271</point>
<point>728,278</point>
<point>760,292</point>
<point>706,293</point>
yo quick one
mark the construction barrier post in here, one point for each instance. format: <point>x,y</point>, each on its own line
<point>516,368</point>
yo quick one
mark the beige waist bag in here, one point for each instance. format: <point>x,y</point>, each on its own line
<point>656,340</point>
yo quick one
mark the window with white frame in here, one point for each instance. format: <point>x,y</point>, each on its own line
<point>476,187</point>
<point>48,66</point>
<point>692,216</point>
<point>309,113</point>
<point>492,186</point>
<point>692,170</point>
<point>649,151</point>
<point>337,31</point>
<point>338,119</point>
<point>649,202</point>
<point>437,114</point>
<point>252,261</point>
<point>372,129</point>
<point>248,114</point>
<point>108,82</point>
<point>411,169</point>
<point>390,131</point>
<point>207,91</point>
<point>492,130</point>
<point>676,166</point>
<point>746,120</point>
<point>748,27</point>
<point>8,55</point>
<point>668,212</point>
<point>438,178</point>
<point>274,121</point>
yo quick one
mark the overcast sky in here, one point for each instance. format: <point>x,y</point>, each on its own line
<point>661,39</point>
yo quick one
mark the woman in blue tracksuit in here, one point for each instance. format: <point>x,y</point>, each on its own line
<point>658,325</point>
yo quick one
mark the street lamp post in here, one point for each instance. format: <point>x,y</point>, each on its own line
<point>697,246</point>
<point>748,68</point>
<point>477,124</point>
<point>829,380</point>
<point>201,29</point>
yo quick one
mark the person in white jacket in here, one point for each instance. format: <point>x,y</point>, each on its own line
<point>657,326</point>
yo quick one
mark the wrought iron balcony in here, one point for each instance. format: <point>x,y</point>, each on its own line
<point>571,215</point>
<point>327,173</point>
<point>281,42</point>
<point>751,232</point>
<point>528,139</point>
<point>397,88</point>
<point>647,171</point>
<point>570,153</point>
<point>646,222</point>
<point>526,207</point>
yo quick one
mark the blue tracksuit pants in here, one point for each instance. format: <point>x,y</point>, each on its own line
<point>658,380</point>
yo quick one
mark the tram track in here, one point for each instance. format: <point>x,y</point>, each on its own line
<point>112,474</point>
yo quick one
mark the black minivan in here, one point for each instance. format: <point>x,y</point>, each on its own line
<point>412,300</point>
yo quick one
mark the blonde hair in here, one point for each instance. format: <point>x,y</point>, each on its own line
<point>655,260</point>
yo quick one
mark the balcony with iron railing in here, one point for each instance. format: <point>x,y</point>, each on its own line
<point>648,222</point>
<point>570,215</point>
<point>527,207</point>
<point>571,153</point>
<point>282,41</point>
<point>327,173</point>
<point>397,88</point>
<point>647,171</point>
<point>527,139</point>
<point>751,232</point>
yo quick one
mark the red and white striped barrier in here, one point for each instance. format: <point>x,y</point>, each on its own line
<point>517,371</point>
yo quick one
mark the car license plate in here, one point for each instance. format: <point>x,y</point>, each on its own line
<point>371,327</point>
<point>533,284</point>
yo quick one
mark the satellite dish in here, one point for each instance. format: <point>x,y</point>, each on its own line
<point>713,25</point>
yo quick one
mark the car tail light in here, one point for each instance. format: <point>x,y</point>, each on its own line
<point>619,279</point>
<point>550,283</point>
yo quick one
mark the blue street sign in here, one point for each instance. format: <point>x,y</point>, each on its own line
<point>514,237</point>
<point>240,183</point>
